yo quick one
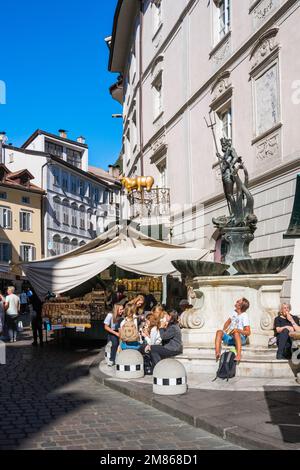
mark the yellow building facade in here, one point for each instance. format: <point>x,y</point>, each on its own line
<point>21,224</point>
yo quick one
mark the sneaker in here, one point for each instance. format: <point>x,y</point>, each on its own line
<point>110,363</point>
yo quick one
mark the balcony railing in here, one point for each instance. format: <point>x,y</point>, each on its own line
<point>155,202</point>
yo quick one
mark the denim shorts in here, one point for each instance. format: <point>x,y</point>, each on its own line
<point>229,340</point>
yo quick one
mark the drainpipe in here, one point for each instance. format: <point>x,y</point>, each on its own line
<point>141,92</point>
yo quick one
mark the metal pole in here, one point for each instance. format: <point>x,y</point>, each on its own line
<point>165,291</point>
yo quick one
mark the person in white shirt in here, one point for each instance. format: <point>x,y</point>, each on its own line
<point>111,326</point>
<point>150,332</point>
<point>235,330</point>
<point>12,307</point>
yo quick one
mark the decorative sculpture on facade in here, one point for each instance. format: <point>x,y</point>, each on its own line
<point>137,183</point>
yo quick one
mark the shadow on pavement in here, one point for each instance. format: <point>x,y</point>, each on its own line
<point>284,409</point>
<point>31,386</point>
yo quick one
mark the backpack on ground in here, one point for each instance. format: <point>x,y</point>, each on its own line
<point>129,332</point>
<point>227,366</point>
<point>148,365</point>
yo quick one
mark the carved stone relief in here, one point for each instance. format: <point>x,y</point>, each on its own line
<point>222,53</point>
<point>262,11</point>
<point>269,148</point>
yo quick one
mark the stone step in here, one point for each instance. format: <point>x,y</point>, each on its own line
<point>255,362</point>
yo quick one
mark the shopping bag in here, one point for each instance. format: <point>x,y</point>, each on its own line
<point>20,325</point>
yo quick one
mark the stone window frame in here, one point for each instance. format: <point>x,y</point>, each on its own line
<point>157,73</point>
<point>217,40</point>
<point>264,55</point>
<point>223,98</point>
<point>157,17</point>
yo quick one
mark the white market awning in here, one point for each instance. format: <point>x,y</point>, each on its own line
<point>127,248</point>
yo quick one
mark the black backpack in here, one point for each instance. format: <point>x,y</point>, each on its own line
<point>148,366</point>
<point>227,366</point>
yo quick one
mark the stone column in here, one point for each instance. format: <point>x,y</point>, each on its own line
<point>213,300</point>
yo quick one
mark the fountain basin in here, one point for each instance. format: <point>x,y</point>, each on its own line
<point>196,268</point>
<point>269,265</point>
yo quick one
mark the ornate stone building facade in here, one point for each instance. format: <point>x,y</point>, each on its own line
<point>238,60</point>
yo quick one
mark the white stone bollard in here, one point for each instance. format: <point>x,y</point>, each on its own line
<point>107,351</point>
<point>129,364</point>
<point>169,378</point>
<point>2,352</point>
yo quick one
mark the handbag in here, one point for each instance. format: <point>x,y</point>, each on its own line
<point>20,325</point>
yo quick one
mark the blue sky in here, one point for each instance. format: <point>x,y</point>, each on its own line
<point>54,64</point>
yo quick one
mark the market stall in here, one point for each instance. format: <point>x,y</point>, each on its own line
<point>126,248</point>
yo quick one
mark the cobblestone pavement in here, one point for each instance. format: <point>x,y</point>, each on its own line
<point>49,401</point>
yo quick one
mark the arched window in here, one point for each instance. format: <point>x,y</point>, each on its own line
<point>82,217</point>
<point>57,209</point>
<point>66,210</point>
<point>90,219</point>
<point>56,244</point>
<point>74,212</point>
<point>74,243</point>
<point>66,245</point>
<point>82,243</point>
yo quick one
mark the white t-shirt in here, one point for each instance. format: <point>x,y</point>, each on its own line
<point>13,304</point>
<point>239,321</point>
<point>155,336</point>
<point>109,321</point>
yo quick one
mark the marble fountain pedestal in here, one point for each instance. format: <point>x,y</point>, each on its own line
<point>213,299</point>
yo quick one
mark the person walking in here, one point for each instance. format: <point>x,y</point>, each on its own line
<point>23,302</point>
<point>12,307</point>
<point>2,316</point>
<point>36,319</point>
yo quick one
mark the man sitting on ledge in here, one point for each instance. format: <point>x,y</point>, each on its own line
<point>235,330</point>
<point>285,324</point>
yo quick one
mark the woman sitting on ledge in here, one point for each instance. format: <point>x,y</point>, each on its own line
<point>170,334</point>
<point>285,324</point>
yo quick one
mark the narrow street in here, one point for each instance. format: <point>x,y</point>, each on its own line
<point>49,401</point>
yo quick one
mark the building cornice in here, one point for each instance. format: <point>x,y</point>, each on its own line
<point>124,17</point>
<point>52,136</point>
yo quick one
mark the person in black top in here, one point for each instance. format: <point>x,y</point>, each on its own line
<point>284,324</point>
<point>170,334</point>
<point>36,319</point>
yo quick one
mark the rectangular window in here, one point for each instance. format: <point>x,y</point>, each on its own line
<point>25,221</point>
<point>82,221</point>
<point>81,188</point>
<point>25,200</point>
<point>267,102</point>
<point>74,217</point>
<point>74,157</point>
<point>65,184</point>
<point>224,17</point>
<point>56,178</point>
<point>157,15</point>
<point>157,95</point>
<point>3,195</point>
<point>5,217</point>
<point>96,197</point>
<point>53,149</point>
<point>226,123</point>
<point>73,185</point>
<point>27,253</point>
<point>66,217</point>
<point>5,252</point>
